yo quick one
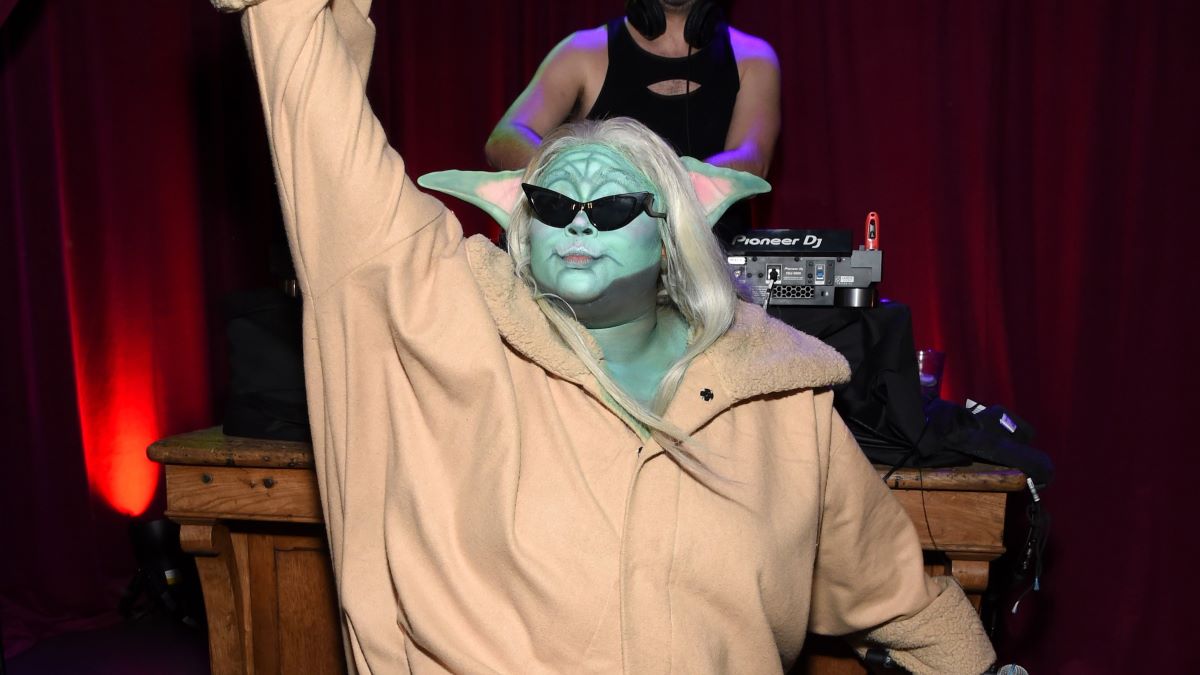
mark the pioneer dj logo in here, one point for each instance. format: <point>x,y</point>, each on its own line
<point>809,240</point>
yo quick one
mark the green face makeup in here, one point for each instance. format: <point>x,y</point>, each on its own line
<point>608,278</point>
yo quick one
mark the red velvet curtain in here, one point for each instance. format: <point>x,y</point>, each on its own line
<point>1031,162</point>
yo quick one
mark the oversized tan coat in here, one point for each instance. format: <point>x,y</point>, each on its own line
<point>487,509</point>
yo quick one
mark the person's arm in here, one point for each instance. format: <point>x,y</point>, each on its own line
<point>870,582</point>
<point>546,103</point>
<point>343,189</point>
<point>754,128</point>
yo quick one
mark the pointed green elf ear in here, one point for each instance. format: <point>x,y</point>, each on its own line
<point>496,192</point>
<point>719,187</point>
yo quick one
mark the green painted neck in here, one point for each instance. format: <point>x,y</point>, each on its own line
<point>638,353</point>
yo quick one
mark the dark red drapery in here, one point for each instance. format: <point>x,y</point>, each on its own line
<point>1031,162</point>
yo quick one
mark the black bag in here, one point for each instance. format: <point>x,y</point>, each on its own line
<point>882,403</point>
<point>991,434</point>
<point>266,385</point>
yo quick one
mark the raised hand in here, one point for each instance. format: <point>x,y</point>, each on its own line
<point>233,5</point>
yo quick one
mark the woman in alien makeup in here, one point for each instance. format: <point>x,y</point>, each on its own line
<point>584,454</point>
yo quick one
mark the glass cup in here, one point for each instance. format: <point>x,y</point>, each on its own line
<point>929,369</point>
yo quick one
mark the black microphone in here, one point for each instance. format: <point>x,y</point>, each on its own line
<point>880,658</point>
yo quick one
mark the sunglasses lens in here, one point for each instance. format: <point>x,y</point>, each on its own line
<point>610,213</point>
<point>552,208</point>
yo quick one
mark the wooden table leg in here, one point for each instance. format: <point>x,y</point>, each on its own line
<point>971,572</point>
<point>224,603</point>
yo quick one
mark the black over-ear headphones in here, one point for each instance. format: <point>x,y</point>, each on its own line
<point>648,18</point>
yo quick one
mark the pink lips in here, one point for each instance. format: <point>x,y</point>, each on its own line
<point>577,256</point>
<point>577,259</point>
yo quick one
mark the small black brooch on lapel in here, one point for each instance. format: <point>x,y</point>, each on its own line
<point>706,394</point>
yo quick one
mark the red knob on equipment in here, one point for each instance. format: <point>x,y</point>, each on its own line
<point>872,231</point>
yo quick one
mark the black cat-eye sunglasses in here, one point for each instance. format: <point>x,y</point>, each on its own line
<point>606,213</point>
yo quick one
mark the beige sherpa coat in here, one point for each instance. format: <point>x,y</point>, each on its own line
<point>487,511</point>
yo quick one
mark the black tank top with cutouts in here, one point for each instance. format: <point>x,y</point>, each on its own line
<point>694,123</point>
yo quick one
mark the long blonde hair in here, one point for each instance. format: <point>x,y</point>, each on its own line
<point>696,280</point>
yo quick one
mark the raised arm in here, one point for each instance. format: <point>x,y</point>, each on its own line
<point>548,101</point>
<point>870,581</point>
<point>343,189</point>
<point>754,128</point>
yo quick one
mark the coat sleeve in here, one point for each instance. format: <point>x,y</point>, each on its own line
<point>376,260</point>
<point>343,189</point>
<point>870,581</point>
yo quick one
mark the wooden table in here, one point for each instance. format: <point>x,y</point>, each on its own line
<point>250,513</point>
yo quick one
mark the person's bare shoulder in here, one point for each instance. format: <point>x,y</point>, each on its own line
<point>748,48</point>
<point>590,40</point>
<point>582,61</point>
<point>581,49</point>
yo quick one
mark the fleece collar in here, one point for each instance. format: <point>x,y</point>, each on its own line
<point>757,356</point>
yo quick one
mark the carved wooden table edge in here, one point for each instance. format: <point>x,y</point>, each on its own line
<point>973,477</point>
<point>211,447</point>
